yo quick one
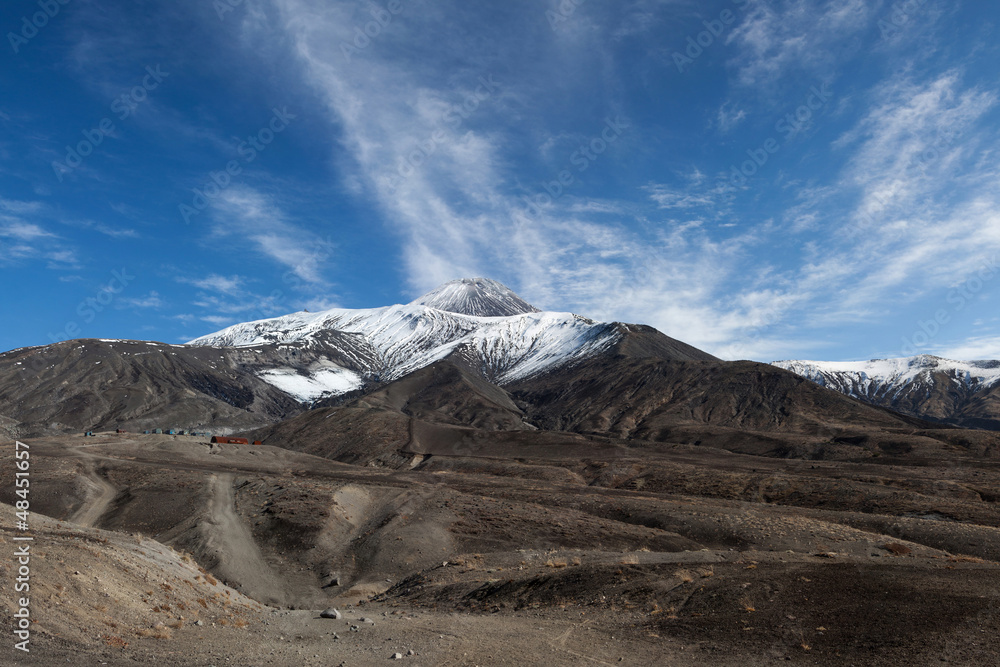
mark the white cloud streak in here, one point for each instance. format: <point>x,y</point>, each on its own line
<point>459,212</point>
<point>243,212</point>
<point>778,37</point>
<point>925,213</point>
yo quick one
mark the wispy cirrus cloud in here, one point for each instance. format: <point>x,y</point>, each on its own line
<point>925,207</point>
<point>151,300</point>
<point>777,38</point>
<point>24,240</point>
<point>227,297</point>
<point>216,283</point>
<point>61,259</point>
<point>694,191</point>
<point>27,235</point>
<point>974,348</point>
<point>17,207</point>
<point>914,141</point>
<point>244,212</point>
<point>460,212</point>
<point>729,117</point>
<point>18,224</point>
<point>779,257</point>
<point>23,231</point>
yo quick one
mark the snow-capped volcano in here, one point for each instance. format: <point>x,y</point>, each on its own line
<point>481,297</point>
<point>924,385</point>
<point>481,321</point>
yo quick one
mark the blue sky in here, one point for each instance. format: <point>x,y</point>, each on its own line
<point>764,179</point>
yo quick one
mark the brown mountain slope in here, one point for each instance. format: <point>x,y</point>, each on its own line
<point>637,398</point>
<point>982,411</point>
<point>447,393</point>
<point>433,408</point>
<point>745,407</point>
<point>94,384</point>
<point>639,341</point>
<point>741,406</point>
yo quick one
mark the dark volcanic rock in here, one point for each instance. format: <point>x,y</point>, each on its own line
<point>135,385</point>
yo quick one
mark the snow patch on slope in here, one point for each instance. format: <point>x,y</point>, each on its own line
<point>309,386</point>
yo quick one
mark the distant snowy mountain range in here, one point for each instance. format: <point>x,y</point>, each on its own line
<point>479,320</point>
<point>488,328</point>
<point>471,353</point>
<point>961,392</point>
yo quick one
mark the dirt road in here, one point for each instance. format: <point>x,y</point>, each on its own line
<point>228,539</point>
<point>95,506</point>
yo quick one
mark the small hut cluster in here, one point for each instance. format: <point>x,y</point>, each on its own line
<point>175,431</point>
<point>216,439</point>
<point>225,440</point>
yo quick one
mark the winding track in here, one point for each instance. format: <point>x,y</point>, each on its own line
<point>228,538</point>
<point>93,509</point>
